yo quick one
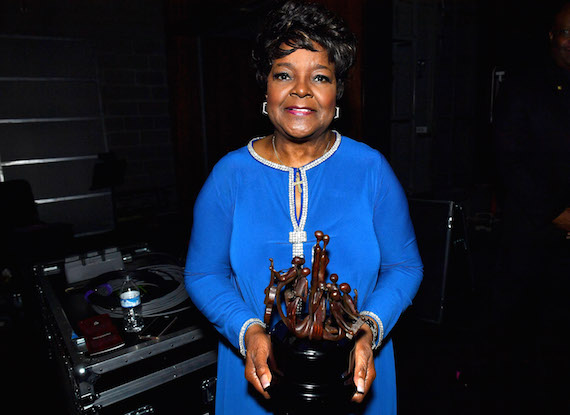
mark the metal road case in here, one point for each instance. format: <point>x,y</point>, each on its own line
<point>172,373</point>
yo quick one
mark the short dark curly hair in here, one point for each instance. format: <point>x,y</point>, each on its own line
<point>298,24</point>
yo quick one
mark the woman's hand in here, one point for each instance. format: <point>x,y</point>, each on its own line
<point>258,351</point>
<point>364,371</point>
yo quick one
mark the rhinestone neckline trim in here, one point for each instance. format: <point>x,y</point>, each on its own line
<point>298,236</point>
<point>312,164</point>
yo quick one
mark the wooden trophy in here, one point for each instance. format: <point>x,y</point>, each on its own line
<point>313,341</point>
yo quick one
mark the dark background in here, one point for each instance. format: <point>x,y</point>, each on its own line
<point>177,92</point>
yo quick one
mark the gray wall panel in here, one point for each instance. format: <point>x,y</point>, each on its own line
<point>51,139</point>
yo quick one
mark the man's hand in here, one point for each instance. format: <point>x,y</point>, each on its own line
<point>562,221</point>
<point>258,351</point>
<point>364,371</point>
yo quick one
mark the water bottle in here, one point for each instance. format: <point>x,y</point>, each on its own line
<point>132,306</point>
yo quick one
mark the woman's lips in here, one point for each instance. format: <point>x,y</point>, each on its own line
<point>299,111</point>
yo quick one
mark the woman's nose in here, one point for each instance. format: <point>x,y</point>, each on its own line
<point>302,89</point>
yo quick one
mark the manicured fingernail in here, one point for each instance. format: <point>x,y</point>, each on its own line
<point>360,386</point>
<point>264,382</point>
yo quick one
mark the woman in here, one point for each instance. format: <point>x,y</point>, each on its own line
<point>266,199</point>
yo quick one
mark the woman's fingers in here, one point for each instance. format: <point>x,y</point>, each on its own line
<point>257,372</point>
<point>258,346</point>
<point>364,371</point>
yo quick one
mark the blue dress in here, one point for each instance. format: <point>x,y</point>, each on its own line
<point>245,214</point>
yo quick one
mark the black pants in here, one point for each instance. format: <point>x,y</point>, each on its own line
<point>530,348</point>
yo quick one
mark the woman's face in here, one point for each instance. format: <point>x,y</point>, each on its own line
<point>301,93</point>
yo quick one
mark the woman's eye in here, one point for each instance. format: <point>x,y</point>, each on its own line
<point>282,76</point>
<point>322,78</point>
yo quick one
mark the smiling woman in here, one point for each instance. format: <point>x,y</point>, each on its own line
<point>301,100</point>
<point>263,200</point>
<point>302,60</point>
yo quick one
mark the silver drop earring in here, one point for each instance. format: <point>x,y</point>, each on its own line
<point>336,113</point>
<point>264,108</point>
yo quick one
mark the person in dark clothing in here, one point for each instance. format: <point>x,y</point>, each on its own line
<point>532,137</point>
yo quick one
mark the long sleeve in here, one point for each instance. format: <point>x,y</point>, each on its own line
<point>208,274</point>
<point>401,267</point>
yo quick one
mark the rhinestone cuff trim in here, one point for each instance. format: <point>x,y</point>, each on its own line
<point>244,328</point>
<point>379,335</point>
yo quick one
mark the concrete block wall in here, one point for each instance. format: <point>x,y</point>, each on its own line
<point>135,97</point>
<point>127,38</point>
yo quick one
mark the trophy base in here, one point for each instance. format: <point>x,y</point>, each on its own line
<point>310,375</point>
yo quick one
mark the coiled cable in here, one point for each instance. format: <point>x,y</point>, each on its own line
<point>161,306</point>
